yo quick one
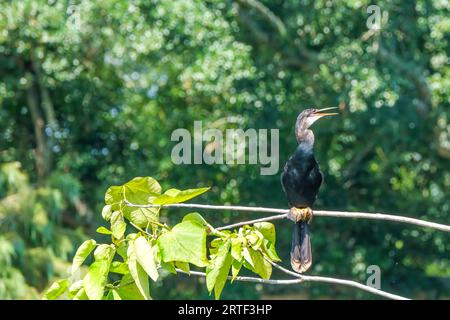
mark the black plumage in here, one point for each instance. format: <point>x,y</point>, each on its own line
<point>301,179</point>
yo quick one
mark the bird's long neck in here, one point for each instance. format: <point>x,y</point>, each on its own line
<point>305,137</point>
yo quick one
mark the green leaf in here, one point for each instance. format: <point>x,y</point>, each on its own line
<point>217,271</point>
<point>235,268</point>
<point>83,251</point>
<point>119,267</point>
<point>197,218</point>
<point>169,267</point>
<point>269,250</point>
<point>184,266</point>
<point>260,265</point>
<point>236,248</point>
<point>186,242</point>
<point>145,255</point>
<point>141,216</point>
<point>267,229</point>
<point>74,288</point>
<point>248,257</point>
<point>113,195</point>
<point>177,196</point>
<point>115,295</point>
<point>95,280</point>
<point>106,212</point>
<point>118,225</point>
<point>56,289</point>
<point>255,239</point>
<point>141,190</point>
<point>103,230</point>
<point>104,252</point>
<point>137,272</point>
<point>81,295</point>
<point>127,290</point>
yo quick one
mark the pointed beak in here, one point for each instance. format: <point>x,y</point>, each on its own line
<point>320,113</point>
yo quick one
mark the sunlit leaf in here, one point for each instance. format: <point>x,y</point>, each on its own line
<point>177,196</point>
<point>106,212</point>
<point>145,255</point>
<point>141,190</point>
<point>127,289</point>
<point>82,252</point>
<point>138,273</point>
<point>186,242</point>
<point>118,225</point>
<point>184,266</point>
<point>218,269</point>
<point>103,230</point>
<point>95,280</point>
<point>56,289</point>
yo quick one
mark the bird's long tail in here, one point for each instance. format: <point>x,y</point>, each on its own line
<point>301,256</point>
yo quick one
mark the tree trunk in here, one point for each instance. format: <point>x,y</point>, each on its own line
<point>42,154</point>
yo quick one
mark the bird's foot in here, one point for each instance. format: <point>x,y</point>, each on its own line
<point>300,214</point>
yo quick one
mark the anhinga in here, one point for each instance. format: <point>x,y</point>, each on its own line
<point>301,180</point>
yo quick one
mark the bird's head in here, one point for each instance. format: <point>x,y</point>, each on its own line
<point>307,117</point>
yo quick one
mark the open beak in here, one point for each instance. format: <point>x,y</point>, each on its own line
<point>320,113</point>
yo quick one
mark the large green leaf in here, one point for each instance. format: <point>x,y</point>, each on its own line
<point>177,196</point>
<point>186,242</point>
<point>56,289</point>
<point>267,229</point>
<point>95,280</point>
<point>218,269</point>
<point>145,255</point>
<point>141,216</point>
<point>197,218</point>
<point>139,275</point>
<point>141,190</point>
<point>82,252</point>
<point>104,252</point>
<point>118,225</point>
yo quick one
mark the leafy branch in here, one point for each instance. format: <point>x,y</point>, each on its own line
<point>122,269</point>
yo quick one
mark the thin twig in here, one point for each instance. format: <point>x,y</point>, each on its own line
<point>247,279</point>
<point>243,223</point>
<point>317,213</point>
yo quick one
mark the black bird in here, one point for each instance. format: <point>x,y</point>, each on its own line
<point>301,180</point>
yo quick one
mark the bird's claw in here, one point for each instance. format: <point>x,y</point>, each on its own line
<point>300,214</point>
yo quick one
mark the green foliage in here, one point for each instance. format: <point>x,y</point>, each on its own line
<point>143,253</point>
<point>111,80</point>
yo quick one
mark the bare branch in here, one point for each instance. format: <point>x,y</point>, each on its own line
<point>243,223</point>
<point>302,279</point>
<point>317,213</point>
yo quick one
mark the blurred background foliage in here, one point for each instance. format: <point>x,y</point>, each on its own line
<point>90,92</point>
